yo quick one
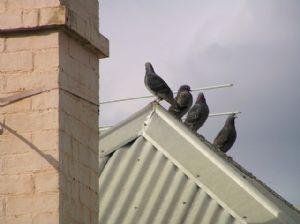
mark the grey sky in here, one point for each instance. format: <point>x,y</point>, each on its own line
<point>254,44</point>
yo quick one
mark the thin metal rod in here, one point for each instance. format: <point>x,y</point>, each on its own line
<point>210,115</point>
<point>224,113</point>
<point>151,96</point>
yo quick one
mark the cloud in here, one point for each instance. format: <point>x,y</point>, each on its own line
<point>254,44</point>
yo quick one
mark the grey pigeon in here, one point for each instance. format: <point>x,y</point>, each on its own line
<point>227,135</point>
<point>184,101</point>
<point>198,114</point>
<point>157,86</point>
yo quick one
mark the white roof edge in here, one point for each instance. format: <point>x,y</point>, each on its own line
<point>132,126</point>
<point>220,159</point>
<point>137,125</point>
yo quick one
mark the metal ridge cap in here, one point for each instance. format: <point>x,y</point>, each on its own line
<point>124,132</point>
<point>227,166</point>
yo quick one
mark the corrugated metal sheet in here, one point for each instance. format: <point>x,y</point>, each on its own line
<point>140,185</point>
<point>155,170</point>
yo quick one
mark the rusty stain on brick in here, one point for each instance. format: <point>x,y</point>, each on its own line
<point>57,17</point>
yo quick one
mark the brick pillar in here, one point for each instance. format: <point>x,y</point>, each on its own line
<point>49,147</point>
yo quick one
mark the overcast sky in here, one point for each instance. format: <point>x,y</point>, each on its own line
<point>252,43</point>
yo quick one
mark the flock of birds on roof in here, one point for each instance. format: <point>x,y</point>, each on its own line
<point>182,104</point>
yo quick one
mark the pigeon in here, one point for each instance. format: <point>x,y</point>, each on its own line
<point>184,101</point>
<point>157,86</point>
<point>227,135</point>
<point>198,114</point>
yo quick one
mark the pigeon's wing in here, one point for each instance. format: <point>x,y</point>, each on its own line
<point>182,102</point>
<point>184,99</point>
<point>193,114</point>
<point>157,84</point>
<point>222,138</point>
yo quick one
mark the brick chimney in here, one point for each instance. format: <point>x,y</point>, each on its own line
<point>49,100</point>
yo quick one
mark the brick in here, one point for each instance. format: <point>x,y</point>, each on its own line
<point>84,214</point>
<point>70,66</point>
<point>46,203</point>
<point>46,218</point>
<point>75,189</point>
<point>11,19</point>
<point>79,52</point>
<point>32,41</point>
<point>75,149</point>
<point>16,184</point>
<point>2,44</point>
<point>94,201</point>
<point>90,117</point>
<point>72,105</point>
<point>45,140</point>
<point>19,42</point>
<point>46,100</point>
<point>84,155</point>
<point>30,18</point>
<point>85,195</point>
<point>74,169</point>
<point>10,144</point>
<point>63,43</point>
<point>94,63</point>
<point>22,61</point>
<point>18,205</point>
<point>94,140</point>
<point>28,81</point>
<point>3,6</point>
<point>51,16</point>
<point>76,129</point>
<point>34,121</point>
<point>88,76</point>
<point>68,83</point>
<point>84,174</point>
<point>82,27</point>
<point>23,105</point>
<point>46,181</point>
<point>1,165</point>
<point>94,217</point>
<point>29,4</point>
<point>30,162</point>
<point>45,59</point>
<point>94,161</point>
<point>65,164</point>
<point>16,219</point>
<point>94,181</point>
<point>65,143</point>
<point>2,206</point>
<point>75,210</point>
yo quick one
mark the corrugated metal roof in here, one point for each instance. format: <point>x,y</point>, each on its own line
<point>154,170</point>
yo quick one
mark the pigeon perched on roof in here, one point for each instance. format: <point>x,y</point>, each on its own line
<point>198,114</point>
<point>157,86</point>
<point>184,101</point>
<point>227,135</point>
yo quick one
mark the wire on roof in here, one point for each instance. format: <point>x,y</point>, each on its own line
<point>105,127</point>
<point>151,96</point>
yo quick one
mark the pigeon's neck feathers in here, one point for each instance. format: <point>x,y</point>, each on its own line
<point>229,122</point>
<point>150,70</point>
<point>201,99</point>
